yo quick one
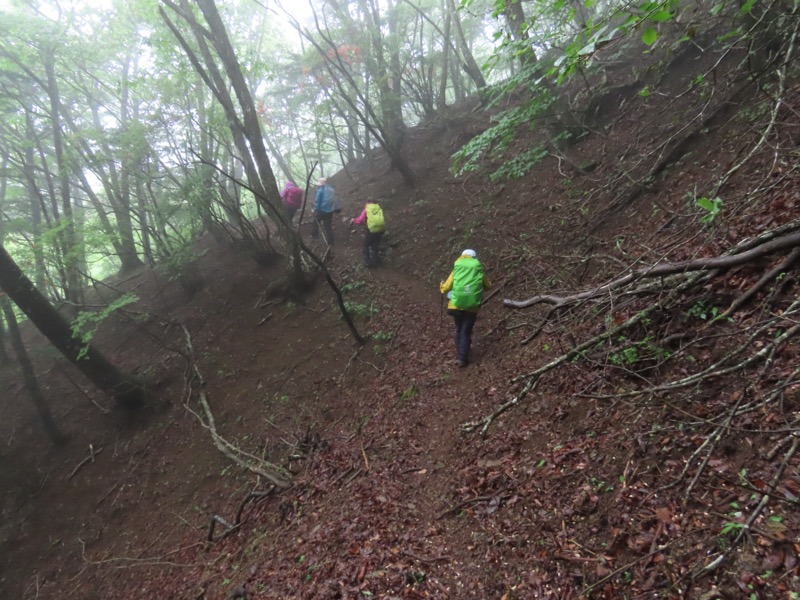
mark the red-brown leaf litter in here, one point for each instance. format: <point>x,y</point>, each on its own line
<point>579,491</point>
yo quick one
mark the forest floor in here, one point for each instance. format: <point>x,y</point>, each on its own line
<point>571,494</point>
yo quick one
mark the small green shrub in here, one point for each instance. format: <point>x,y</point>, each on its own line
<point>352,286</point>
<point>85,325</point>
<point>361,310</point>
<point>410,392</point>
<point>494,143</point>
<point>712,206</point>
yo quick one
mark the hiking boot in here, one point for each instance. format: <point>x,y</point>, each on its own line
<point>461,363</point>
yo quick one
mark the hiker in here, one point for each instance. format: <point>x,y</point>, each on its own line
<point>372,215</point>
<point>465,284</point>
<point>325,204</point>
<point>292,199</point>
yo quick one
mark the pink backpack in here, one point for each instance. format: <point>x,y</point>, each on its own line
<point>294,197</point>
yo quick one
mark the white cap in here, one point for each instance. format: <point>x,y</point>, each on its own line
<point>471,253</point>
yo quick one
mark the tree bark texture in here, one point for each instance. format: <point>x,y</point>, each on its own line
<point>127,391</point>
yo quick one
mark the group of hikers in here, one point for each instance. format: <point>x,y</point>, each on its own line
<point>464,286</point>
<point>326,204</point>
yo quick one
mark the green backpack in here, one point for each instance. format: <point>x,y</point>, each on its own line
<point>375,222</point>
<point>467,284</point>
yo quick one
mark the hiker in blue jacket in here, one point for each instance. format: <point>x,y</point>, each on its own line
<point>466,282</point>
<point>325,204</point>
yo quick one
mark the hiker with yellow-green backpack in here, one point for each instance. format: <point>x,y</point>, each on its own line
<point>464,287</point>
<point>372,216</point>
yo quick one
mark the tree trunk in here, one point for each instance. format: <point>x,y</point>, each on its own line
<point>105,225</point>
<point>122,231</point>
<point>441,97</point>
<point>515,17</point>
<point>128,392</point>
<point>72,284</point>
<point>4,357</point>
<point>394,101</point>
<point>470,66</point>
<point>29,169</point>
<point>231,90</point>
<point>130,255</point>
<point>29,376</point>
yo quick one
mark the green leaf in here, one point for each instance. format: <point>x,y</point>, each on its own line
<point>705,203</point>
<point>630,21</point>
<point>650,36</point>
<point>661,16</point>
<point>85,325</point>
<point>747,6</point>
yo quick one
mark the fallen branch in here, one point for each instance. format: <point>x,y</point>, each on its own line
<point>759,285</point>
<point>276,475</point>
<point>723,262</point>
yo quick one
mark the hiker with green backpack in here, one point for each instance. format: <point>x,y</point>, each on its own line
<point>372,216</point>
<point>466,284</point>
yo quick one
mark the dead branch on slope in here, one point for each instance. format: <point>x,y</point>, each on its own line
<point>274,474</point>
<point>724,262</point>
<point>674,279</point>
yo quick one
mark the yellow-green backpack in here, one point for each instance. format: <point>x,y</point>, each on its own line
<point>375,222</point>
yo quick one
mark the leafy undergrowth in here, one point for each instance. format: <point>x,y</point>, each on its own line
<point>606,480</point>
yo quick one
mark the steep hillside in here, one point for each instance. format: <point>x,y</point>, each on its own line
<point>606,470</point>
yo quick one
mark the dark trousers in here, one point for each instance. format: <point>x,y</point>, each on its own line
<point>464,321</point>
<point>324,219</point>
<point>290,213</point>
<point>372,240</point>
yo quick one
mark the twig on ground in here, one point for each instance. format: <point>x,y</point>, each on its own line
<point>366,460</point>
<point>90,458</point>
<point>477,500</point>
<point>748,524</point>
<point>588,589</point>
<point>713,439</point>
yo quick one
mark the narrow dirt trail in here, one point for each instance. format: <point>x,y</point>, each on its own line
<point>416,405</point>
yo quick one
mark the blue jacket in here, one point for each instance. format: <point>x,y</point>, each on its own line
<point>325,199</point>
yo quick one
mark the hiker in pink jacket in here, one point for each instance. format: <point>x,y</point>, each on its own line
<point>292,199</point>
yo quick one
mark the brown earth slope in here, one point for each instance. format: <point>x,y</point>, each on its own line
<point>570,493</point>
